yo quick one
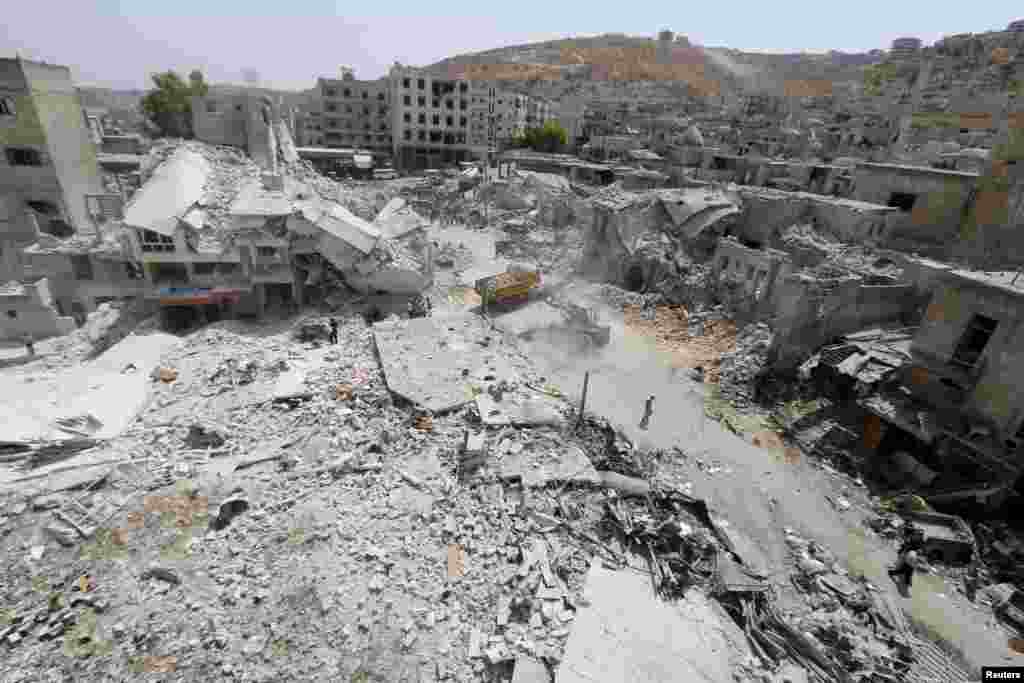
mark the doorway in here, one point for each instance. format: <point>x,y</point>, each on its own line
<point>635,278</point>
<point>904,201</point>
<point>973,341</point>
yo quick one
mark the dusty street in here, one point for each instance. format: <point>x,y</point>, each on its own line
<point>759,492</point>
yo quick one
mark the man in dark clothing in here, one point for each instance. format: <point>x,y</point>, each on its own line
<point>334,331</point>
<point>913,544</point>
<point>648,411</point>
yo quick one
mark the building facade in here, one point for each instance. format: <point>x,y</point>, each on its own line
<point>440,120</point>
<point>240,120</point>
<point>49,165</point>
<point>355,114</point>
<point>969,350</point>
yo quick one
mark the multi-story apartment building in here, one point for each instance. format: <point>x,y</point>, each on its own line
<point>309,129</point>
<point>356,114</point>
<point>48,165</point>
<point>432,118</point>
<point>445,119</point>
<point>419,118</point>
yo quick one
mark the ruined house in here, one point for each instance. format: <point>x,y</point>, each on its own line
<point>636,239</point>
<point>28,309</point>
<point>968,356</point>
<point>49,166</point>
<point>933,203</point>
<point>245,120</point>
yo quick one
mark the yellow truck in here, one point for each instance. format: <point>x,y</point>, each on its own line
<point>512,285</point>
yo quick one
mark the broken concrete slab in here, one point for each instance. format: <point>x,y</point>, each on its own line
<point>520,411</point>
<point>530,670</point>
<point>539,468</point>
<point>435,362</point>
<point>31,411</point>
<point>626,634</point>
<point>291,384</point>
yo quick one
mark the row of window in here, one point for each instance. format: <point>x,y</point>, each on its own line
<point>213,107</point>
<point>342,123</point>
<point>435,119</point>
<point>366,111</point>
<point>436,104</point>
<point>437,87</point>
<point>436,136</point>
<point>347,92</point>
<point>348,137</point>
<point>23,156</point>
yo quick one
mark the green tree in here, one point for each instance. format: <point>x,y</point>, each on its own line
<point>550,137</point>
<point>169,104</point>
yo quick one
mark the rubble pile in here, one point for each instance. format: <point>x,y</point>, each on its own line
<point>697,345</point>
<point>239,560</point>
<point>857,626</point>
<point>739,368</point>
<point>230,168</point>
<point>810,249</point>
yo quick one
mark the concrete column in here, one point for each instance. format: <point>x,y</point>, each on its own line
<point>261,298</point>
<point>299,287</point>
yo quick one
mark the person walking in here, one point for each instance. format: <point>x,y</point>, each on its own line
<point>30,344</point>
<point>334,331</point>
<point>903,571</point>
<point>645,421</point>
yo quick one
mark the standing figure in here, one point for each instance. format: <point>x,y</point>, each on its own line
<point>645,421</point>
<point>30,344</point>
<point>334,331</point>
<point>903,571</point>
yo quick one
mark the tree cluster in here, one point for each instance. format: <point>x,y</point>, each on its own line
<point>550,137</point>
<point>169,104</point>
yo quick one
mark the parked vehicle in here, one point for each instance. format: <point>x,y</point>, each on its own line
<point>384,174</point>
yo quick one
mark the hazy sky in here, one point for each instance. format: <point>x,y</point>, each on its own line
<point>290,42</point>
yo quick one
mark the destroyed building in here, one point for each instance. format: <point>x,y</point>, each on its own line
<point>245,120</point>
<point>966,357</point>
<point>49,166</point>
<point>28,309</point>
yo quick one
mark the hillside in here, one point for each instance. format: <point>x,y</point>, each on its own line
<point>734,71</point>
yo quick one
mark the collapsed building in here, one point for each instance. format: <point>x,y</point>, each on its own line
<point>211,234</point>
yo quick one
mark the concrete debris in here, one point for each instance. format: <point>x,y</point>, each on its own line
<point>626,633</point>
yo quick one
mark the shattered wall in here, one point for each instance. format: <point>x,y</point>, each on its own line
<point>624,244</point>
<point>745,278</point>
<point>995,388</point>
<point>810,311</point>
<point>28,309</point>
<point>245,120</point>
<point>48,119</point>
<point>72,151</point>
<point>768,212</point>
<point>934,222</point>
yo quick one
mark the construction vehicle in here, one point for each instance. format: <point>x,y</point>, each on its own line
<point>512,285</point>
<point>586,322</point>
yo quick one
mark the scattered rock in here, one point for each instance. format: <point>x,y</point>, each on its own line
<point>162,574</point>
<point>227,511</point>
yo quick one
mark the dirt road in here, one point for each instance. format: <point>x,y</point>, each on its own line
<point>758,492</point>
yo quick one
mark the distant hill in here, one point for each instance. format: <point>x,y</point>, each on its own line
<point>734,71</point>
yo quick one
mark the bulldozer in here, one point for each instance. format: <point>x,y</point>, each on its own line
<point>586,321</point>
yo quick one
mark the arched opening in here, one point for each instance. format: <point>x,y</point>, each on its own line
<point>635,278</point>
